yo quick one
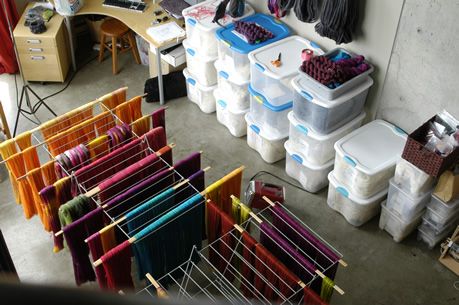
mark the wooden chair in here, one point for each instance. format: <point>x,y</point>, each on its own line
<point>4,126</point>
<point>116,30</point>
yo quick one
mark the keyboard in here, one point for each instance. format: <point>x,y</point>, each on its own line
<point>138,6</point>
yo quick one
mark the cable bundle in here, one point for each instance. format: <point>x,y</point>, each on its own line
<point>307,10</point>
<point>71,160</point>
<point>338,20</point>
<point>252,32</point>
<point>334,73</point>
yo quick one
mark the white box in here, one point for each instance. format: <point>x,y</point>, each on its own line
<point>234,120</point>
<point>356,210</point>
<point>234,91</point>
<point>428,234</point>
<point>395,226</point>
<point>411,179</point>
<point>200,66</point>
<point>199,94</point>
<point>317,148</point>
<point>312,177</point>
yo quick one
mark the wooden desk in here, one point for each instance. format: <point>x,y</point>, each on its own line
<point>136,21</point>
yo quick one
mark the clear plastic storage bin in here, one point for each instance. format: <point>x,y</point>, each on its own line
<point>272,82</point>
<point>233,47</point>
<point>325,116</point>
<point>199,94</point>
<point>442,209</point>
<point>438,222</point>
<point>317,148</point>
<point>403,204</point>
<point>200,66</point>
<point>326,93</point>
<point>270,117</point>
<point>410,178</point>
<point>271,149</point>
<point>396,226</point>
<point>356,210</point>
<point>428,234</point>
<point>365,159</point>
<point>312,177</point>
<point>232,90</point>
<point>233,119</point>
<point>200,30</point>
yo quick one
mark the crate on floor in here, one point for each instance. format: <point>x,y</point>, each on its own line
<point>318,148</point>
<point>443,211</point>
<point>312,177</point>
<point>200,30</point>
<point>199,94</point>
<point>274,83</point>
<point>233,47</point>
<point>365,159</point>
<point>231,118</point>
<point>269,115</point>
<point>270,148</point>
<point>325,116</point>
<point>403,204</point>
<point>356,210</point>
<point>200,66</point>
<point>397,227</point>
<point>231,89</point>
<point>429,234</point>
<point>412,179</point>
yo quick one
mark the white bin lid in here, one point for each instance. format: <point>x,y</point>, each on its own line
<point>300,84</point>
<point>373,147</point>
<point>299,157</point>
<point>192,80</point>
<point>348,194</point>
<point>290,48</point>
<point>309,132</point>
<point>201,15</point>
<point>253,125</point>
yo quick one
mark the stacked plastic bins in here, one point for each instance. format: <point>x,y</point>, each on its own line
<point>409,192</point>
<point>271,94</point>
<point>233,70</point>
<point>438,221</point>
<point>201,51</point>
<point>364,163</point>
<point>316,123</point>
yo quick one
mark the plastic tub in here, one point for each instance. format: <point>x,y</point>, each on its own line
<point>396,226</point>
<point>233,47</point>
<point>312,177</point>
<point>442,209</point>
<point>325,116</point>
<point>356,210</point>
<point>403,204</point>
<point>438,222</point>
<point>411,179</point>
<point>430,236</point>
<point>271,117</point>
<point>232,119</point>
<point>200,30</point>
<point>199,94</point>
<point>237,93</point>
<point>365,159</point>
<point>271,149</point>
<point>330,94</point>
<point>200,66</point>
<point>275,82</point>
<point>317,148</point>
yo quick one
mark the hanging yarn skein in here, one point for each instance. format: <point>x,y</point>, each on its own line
<point>338,20</point>
<point>236,8</point>
<point>307,10</point>
<point>273,6</point>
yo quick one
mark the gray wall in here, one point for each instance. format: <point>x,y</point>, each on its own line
<point>423,73</point>
<point>379,20</point>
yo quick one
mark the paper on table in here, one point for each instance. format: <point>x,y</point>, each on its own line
<point>166,32</point>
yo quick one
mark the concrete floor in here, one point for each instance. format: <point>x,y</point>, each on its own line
<point>380,271</point>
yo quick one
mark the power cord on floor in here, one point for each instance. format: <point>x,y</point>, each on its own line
<point>260,173</point>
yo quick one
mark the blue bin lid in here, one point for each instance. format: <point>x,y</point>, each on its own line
<point>236,43</point>
<point>263,100</point>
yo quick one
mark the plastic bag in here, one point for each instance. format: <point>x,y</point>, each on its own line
<point>68,7</point>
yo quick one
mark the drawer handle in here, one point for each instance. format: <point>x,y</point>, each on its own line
<point>399,130</point>
<point>223,74</point>
<point>349,161</point>
<point>33,41</point>
<point>191,21</point>
<point>222,104</point>
<point>191,51</point>
<point>258,99</point>
<point>37,57</point>
<point>297,158</point>
<point>35,50</point>
<point>314,45</point>
<point>260,67</point>
<point>227,43</point>
<point>342,191</point>
<point>306,95</point>
<point>255,128</point>
<point>191,81</point>
<point>302,129</point>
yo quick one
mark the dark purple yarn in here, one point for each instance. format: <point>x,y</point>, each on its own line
<point>252,32</point>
